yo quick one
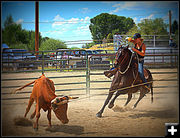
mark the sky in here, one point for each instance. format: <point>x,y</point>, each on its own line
<point>69,21</point>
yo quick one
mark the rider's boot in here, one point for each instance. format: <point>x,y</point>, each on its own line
<point>110,72</point>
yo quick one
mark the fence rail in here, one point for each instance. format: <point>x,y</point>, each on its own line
<point>89,64</point>
<point>152,59</point>
<point>87,84</point>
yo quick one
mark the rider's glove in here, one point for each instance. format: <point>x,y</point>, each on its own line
<point>128,39</point>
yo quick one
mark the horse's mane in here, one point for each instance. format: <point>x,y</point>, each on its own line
<point>134,58</point>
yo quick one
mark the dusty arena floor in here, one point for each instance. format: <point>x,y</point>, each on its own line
<point>146,120</point>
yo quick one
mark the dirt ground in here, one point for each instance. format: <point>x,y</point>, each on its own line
<point>148,119</point>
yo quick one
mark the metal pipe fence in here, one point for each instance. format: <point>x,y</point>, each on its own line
<point>89,64</point>
<point>45,61</point>
<point>87,89</point>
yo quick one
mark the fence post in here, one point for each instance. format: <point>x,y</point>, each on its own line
<point>87,76</point>
<point>154,41</point>
<point>171,58</point>
<point>42,62</point>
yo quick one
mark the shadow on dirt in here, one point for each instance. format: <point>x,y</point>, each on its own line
<point>168,113</point>
<point>73,129</point>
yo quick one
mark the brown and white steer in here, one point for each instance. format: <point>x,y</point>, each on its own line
<point>43,94</point>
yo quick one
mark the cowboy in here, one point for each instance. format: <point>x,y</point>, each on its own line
<point>140,49</point>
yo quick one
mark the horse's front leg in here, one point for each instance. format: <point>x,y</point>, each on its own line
<point>99,114</point>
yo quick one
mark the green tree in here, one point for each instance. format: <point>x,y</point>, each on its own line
<point>149,27</point>
<point>11,31</point>
<point>72,48</point>
<point>133,30</point>
<point>16,37</point>
<point>109,38</point>
<point>105,23</point>
<point>88,45</point>
<point>153,27</point>
<point>52,44</point>
<point>174,26</point>
<point>175,31</point>
<point>9,21</point>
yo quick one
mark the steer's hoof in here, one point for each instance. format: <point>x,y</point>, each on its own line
<point>64,121</point>
<point>32,116</point>
<point>35,129</point>
<point>99,114</point>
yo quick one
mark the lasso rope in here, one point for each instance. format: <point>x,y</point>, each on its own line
<point>131,86</point>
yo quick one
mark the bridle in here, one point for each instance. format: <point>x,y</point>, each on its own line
<point>123,72</point>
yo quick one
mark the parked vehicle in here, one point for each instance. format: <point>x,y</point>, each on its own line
<point>9,60</point>
<point>26,58</point>
<point>46,59</point>
<point>69,58</point>
<point>17,58</point>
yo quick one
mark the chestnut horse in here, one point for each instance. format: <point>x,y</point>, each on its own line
<point>126,77</point>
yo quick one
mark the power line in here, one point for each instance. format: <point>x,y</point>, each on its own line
<point>86,21</point>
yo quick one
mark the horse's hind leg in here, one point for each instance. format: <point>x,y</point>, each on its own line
<point>111,104</point>
<point>142,94</point>
<point>129,98</point>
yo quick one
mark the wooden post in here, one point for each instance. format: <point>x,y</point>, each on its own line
<point>170,24</point>
<point>36,27</point>
<point>42,62</point>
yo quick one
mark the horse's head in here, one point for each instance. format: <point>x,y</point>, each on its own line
<point>123,56</point>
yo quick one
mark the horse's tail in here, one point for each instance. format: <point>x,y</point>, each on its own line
<point>151,85</point>
<point>151,91</point>
<point>150,79</point>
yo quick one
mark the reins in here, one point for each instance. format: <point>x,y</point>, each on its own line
<point>127,66</point>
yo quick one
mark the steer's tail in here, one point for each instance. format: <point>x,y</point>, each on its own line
<point>22,87</point>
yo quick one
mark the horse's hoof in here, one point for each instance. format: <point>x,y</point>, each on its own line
<point>99,114</point>
<point>110,106</point>
<point>134,107</point>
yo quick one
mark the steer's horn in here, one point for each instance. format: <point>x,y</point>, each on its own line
<point>70,97</point>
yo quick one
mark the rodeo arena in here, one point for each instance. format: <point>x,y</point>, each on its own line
<point>77,93</point>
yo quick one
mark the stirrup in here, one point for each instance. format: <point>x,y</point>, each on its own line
<point>147,87</point>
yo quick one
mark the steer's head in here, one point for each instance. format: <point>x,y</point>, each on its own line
<point>59,106</point>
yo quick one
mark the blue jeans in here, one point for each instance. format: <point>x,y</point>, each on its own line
<point>141,71</point>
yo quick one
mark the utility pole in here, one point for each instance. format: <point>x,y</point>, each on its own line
<point>170,23</point>
<point>37,27</point>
